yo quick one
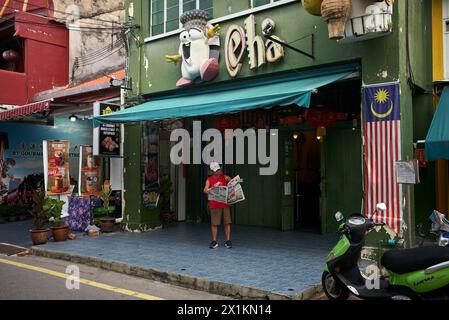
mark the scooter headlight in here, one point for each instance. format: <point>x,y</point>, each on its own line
<point>444,242</point>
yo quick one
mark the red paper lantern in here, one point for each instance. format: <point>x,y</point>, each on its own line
<point>226,122</point>
<point>324,117</point>
<point>420,154</point>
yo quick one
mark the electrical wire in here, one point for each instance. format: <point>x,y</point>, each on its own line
<point>410,77</point>
<point>62,12</point>
<point>309,35</point>
<point>61,26</point>
<point>97,25</point>
<point>103,58</point>
<point>98,54</point>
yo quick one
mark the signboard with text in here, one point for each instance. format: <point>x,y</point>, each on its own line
<point>107,136</point>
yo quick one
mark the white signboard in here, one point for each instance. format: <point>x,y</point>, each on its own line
<point>407,172</point>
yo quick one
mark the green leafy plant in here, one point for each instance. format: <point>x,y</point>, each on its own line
<point>17,210</point>
<point>40,219</point>
<point>52,209</point>
<point>12,212</point>
<point>105,196</point>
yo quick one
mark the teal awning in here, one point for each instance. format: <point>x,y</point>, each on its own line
<point>232,98</point>
<point>437,141</point>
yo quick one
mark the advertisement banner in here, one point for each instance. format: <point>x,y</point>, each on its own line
<point>150,164</point>
<point>89,181</point>
<point>56,163</point>
<point>107,136</point>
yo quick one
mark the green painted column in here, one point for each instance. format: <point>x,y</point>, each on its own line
<point>137,217</point>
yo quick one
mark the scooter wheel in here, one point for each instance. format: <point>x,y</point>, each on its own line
<point>332,288</point>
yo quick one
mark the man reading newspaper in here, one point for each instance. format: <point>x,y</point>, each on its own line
<point>218,210</point>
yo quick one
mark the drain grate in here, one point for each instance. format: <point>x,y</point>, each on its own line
<point>11,250</point>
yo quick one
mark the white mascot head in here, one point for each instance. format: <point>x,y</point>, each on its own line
<point>199,61</point>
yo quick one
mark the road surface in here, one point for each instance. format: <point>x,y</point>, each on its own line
<point>37,278</point>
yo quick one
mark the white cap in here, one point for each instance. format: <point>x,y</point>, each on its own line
<point>214,166</point>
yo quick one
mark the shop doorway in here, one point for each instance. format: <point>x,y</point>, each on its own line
<point>307,167</point>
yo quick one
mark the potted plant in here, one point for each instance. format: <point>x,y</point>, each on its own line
<point>107,223</point>
<point>39,233</point>
<point>53,209</point>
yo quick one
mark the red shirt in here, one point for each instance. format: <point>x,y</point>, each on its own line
<point>219,181</point>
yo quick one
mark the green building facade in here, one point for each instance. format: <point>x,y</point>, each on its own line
<point>403,54</point>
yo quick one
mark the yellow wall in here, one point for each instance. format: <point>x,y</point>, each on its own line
<point>442,166</point>
<point>437,40</point>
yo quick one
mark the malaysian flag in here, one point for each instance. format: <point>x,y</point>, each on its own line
<point>382,135</point>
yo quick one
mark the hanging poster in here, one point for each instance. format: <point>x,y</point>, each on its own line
<point>56,164</point>
<point>150,164</point>
<point>107,136</point>
<point>89,182</point>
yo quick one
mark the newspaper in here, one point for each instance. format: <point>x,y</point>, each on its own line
<point>230,194</point>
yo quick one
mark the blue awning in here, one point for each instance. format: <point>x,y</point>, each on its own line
<point>437,141</point>
<point>233,98</point>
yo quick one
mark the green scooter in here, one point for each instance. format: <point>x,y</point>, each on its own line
<point>418,273</point>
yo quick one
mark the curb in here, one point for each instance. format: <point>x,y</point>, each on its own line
<point>211,286</point>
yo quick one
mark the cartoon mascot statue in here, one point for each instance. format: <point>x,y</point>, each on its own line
<point>198,51</point>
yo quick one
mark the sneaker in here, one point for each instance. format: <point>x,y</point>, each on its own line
<point>213,245</point>
<point>228,244</point>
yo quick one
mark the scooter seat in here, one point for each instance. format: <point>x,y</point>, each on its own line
<point>403,261</point>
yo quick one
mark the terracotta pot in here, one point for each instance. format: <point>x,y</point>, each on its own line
<point>336,13</point>
<point>107,224</point>
<point>60,234</point>
<point>39,236</point>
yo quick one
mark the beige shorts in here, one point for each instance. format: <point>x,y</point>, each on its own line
<point>217,215</point>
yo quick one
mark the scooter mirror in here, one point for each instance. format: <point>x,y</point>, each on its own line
<point>381,207</point>
<point>339,216</point>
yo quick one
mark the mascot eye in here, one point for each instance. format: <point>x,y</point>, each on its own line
<point>184,36</point>
<point>195,34</point>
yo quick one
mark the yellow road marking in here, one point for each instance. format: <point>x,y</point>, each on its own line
<point>84,281</point>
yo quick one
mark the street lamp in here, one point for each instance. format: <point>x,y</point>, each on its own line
<point>73,118</point>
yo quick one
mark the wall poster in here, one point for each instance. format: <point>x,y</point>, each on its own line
<point>57,166</point>
<point>150,164</point>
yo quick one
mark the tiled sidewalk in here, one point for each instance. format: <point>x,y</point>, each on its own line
<point>286,263</point>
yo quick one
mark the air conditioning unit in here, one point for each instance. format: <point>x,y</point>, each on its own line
<point>369,19</point>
